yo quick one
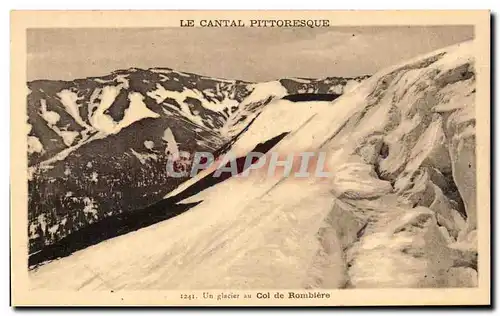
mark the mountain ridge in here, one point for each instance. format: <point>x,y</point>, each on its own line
<point>62,94</point>
<point>98,146</point>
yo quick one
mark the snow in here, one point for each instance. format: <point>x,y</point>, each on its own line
<point>99,80</point>
<point>251,241</point>
<point>99,120</point>
<point>184,108</point>
<point>350,85</point>
<point>257,221</point>
<point>160,94</point>
<point>160,70</point>
<point>337,89</point>
<point>42,221</point>
<point>431,140</point>
<point>260,93</point>
<point>275,232</point>
<point>143,157</point>
<point>357,180</point>
<point>123,81</point>
<point>32,230</point>
<point>68,137</point>
<point>149,144</point>
<point>34,145</point>
<point>68,99</point>
<point>225,231</point>
<point>54,229</point>
<point>92,103</point>
<point>47,164</point>
<point>300,80</point>
<point>29,127</point>
<point>286,116</point>
<point>50,117</point>
<point>136,111</point>
<point>172,147</point>
<point>182,74</point>
<point>89,207</point>
<point>264,90</point>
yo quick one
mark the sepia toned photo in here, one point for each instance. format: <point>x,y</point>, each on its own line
<point>250,158</point>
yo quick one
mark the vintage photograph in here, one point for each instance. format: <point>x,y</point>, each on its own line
<point>214,156</point>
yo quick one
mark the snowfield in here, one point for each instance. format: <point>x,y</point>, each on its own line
<point>399,210</point>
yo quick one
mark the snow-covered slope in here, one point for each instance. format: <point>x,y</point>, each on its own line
<point>281,116</point>
<point>98,147</point>
<point>398,211</point>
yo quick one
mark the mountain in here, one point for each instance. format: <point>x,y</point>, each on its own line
<point>98,147</point>
<point>398,211</point>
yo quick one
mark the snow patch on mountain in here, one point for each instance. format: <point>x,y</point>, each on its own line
<point>49,116</point>
<point>34,145</point>
<point>350,85</point>
<point>172,148</point>
<point>182,74</point>
<point>160,70</point>
<point>68,137</point>
<point>144,157</point>
<point>136,111</point>
<point>159,94</point>
<point>265,90</point>
<point>69,100</point>
<point>123,81</point>
<point>250,107</point>
<point>149,144</point>
<point>100,121</point>
<point>286,117</point>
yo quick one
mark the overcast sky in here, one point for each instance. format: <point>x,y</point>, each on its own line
<point>234,53</point>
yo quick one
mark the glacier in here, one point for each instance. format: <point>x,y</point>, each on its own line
<point>400,210</point>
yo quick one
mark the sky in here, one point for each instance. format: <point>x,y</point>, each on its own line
<point>233,53</point>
